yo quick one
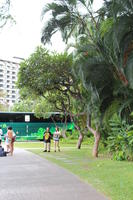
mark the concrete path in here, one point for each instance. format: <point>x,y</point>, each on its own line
<point>26,176</point>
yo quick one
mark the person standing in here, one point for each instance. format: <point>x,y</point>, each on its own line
<point>56,136</point>
<point>1,133</point>
<point>9,139</point>
<point>47,140</point>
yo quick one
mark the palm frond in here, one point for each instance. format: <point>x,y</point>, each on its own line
<point>50,28</point>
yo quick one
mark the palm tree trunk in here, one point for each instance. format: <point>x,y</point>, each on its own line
<point>81,135</point>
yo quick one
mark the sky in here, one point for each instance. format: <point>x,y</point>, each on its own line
<point>21,38</point>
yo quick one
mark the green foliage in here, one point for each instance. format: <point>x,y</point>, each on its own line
<point>49,78</point>
<point>73,135</point>
<point>104,62</point>
<point>120,140</point>
<point>26,105</point>
<point>109,114</point>
<point>105,56</point>
<point>47,73</point>
<point>66,18</point>
<point>106,26</point>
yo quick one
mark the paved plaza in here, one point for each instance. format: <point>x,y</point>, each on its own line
<point>26,176</point>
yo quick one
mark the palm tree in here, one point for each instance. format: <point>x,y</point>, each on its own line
<point>117,37</point>
<point>111,29</point>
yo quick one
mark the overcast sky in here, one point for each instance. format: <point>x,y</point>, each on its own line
<point>22,38</point>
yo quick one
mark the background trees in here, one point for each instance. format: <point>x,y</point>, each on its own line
<point>95,81</point>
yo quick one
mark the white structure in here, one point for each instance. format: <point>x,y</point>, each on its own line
<point>8,78</point>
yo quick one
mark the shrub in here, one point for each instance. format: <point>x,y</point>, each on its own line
<point>120,140</point>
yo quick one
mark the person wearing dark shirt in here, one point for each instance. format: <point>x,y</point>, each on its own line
<point>47,140</point>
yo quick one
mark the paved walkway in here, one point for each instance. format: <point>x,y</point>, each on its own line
<point>26,176</point>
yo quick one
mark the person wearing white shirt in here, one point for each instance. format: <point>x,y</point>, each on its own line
<point>56,136</point>
<point>1,133</point>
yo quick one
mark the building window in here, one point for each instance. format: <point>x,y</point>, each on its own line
<point>8,72</point>
<point>13,96</point>
<point>1,85</point>
<point>13,77</point>
<point>8,76</point>
<point>13,92</point>
<point>1,75</point>
<point>8,86</point>
<point>8,81</point>
<point>13,101</point>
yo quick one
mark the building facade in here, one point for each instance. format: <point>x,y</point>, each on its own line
<point>8,77</point>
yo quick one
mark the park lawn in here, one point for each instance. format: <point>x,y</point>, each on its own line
<point>40,145</point>
<point>112,178</point>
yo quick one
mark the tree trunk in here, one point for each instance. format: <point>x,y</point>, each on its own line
<point>96,145</point>
<point>97,139</point>
<point>81,135</point>
<point>80,140</point>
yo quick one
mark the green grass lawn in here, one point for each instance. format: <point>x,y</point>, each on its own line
<point>113,178</point>
<point>40,145</point>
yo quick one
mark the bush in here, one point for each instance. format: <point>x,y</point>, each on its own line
<point>120,140</point>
